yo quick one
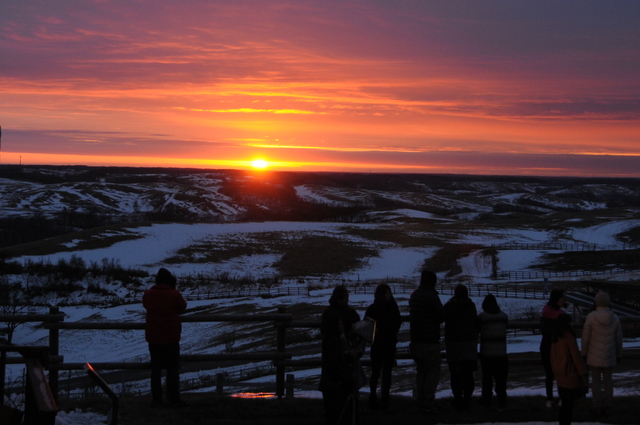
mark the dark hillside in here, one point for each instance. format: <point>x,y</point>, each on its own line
<point>39,202</point>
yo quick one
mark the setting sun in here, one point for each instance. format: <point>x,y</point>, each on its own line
<point>259,163</point>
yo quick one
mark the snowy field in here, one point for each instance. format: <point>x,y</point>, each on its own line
<point>160,241</point>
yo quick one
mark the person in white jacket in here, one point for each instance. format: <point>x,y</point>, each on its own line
<point>602,347</point>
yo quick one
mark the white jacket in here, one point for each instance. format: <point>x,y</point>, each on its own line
<point>602,338</point>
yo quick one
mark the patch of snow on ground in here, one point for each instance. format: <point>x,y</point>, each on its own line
<point>78,417</point>
<point>393,262</point>
<point>604,234</point>
<point>307,194</point>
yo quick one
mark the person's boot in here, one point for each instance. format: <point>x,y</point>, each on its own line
<point>457,403</point>
<point>502,403</point>
<point>373,402</point>
<point>466,403</point>
<point>384,403</point>
<point>485,401</point>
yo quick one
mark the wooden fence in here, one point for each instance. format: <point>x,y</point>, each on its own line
<point>541,274</point>
<point>280,358</point>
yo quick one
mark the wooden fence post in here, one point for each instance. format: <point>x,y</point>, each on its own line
<point>54,350</point>
<point>290,378</point>
<point>220,383</point>
<point>281,332</point>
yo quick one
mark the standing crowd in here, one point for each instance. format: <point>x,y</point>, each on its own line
<point>563,361</point>
<point>343,345</point>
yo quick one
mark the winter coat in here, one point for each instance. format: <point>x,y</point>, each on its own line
<point>426,314</point>
<point>388,322</point>
<point>602,338</point>
<point>336,363</point>
<point>548,326</point>
<point>568,367</point>
<point>461,330</point>
<point>164,305</point>
<point>493,333</point>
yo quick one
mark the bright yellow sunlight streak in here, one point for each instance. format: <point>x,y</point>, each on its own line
<point>259,163</point>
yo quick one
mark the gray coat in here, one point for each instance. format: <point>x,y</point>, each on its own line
<point>493,334</point>
<point>461,330</point>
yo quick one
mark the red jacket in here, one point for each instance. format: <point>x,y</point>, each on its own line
<point>163,304</point>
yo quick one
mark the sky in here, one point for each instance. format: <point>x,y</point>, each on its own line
<point>474,87</point>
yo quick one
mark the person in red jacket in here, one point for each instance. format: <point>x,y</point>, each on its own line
<point>163,328</point>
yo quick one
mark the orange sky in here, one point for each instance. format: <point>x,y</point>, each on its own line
<point>498,87</point>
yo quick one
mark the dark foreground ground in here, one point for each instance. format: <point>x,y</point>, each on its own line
<point>212,409</point>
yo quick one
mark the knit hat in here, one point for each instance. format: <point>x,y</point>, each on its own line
<point>339,292</point>
<point>602,299</point>
<point>164,277</point>
<point>490,305</point>
<point>428,279</point>
<point>461,292</point>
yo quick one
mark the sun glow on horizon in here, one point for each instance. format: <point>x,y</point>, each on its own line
<point>259,163</point>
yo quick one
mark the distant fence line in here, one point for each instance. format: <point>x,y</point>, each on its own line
<point>555,246</point>
<point>499,290</point>
<point>446,287</point>
<point>541,274</point>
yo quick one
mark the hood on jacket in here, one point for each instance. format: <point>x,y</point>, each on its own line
<point>602,299</point>
<point>604,316</point>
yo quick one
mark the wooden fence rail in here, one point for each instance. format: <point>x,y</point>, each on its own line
<point>280,358</point>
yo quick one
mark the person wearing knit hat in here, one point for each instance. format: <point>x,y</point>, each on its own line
<point>164,303</point>
<point>426,314</point>
<point>386,313</point>
<point>164,277</point>
<point>339,360</point>
<point>461,344</point>
<point>602,347</point>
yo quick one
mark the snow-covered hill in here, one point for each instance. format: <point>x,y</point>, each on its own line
<point>220,195</point>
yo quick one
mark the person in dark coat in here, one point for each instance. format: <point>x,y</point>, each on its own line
<point>386,313</point>
<point>164,303</point>
<point>339,355</point>
<point>426,316</point>
<point>461,342</point>
<point>492,323</point>
<point>550,313</point>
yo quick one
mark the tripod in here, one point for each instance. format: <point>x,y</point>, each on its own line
<point>353,400</point>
